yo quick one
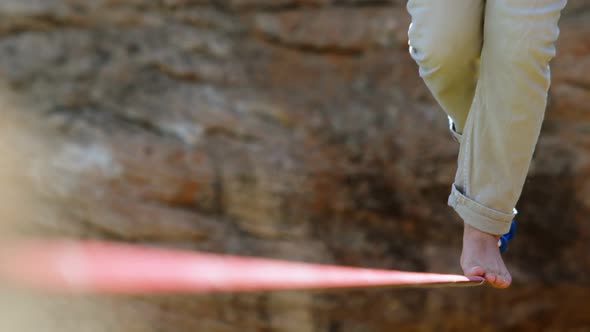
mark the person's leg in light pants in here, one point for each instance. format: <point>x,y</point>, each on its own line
<point>486,62</point>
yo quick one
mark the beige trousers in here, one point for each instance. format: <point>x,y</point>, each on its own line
<point>486,62</point>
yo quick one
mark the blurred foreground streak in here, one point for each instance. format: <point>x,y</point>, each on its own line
<point>288,129</point>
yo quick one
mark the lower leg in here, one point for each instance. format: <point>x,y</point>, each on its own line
<point>503,126</point>
<point>445,40</point>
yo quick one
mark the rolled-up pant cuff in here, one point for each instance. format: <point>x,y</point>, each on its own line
<point>479,216</point>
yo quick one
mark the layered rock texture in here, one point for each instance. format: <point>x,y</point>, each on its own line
<point>292,129</point>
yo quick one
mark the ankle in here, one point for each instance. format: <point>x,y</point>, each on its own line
<point>469,230</point>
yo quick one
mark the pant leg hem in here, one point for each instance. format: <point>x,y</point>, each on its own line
<point>479,216</point>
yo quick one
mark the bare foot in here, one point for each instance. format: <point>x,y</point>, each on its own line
<point>481,257</point>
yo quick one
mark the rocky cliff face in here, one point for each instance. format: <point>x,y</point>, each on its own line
<point>293,129</point>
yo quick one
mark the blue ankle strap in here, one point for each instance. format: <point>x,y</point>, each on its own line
<point>503,241</point>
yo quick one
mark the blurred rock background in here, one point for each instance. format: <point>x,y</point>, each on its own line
<point>292,129</point>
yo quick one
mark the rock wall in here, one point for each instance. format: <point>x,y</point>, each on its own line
<point>293,129</point>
